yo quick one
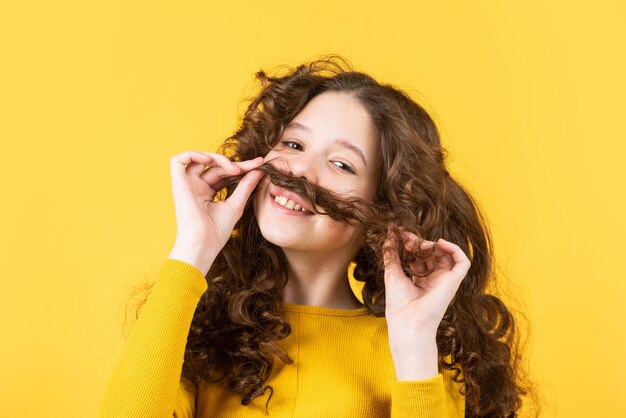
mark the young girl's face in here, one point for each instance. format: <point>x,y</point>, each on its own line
<point>332,143</point>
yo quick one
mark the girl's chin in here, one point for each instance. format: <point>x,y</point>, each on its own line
<point>282,241</point>
<point>289,239</point>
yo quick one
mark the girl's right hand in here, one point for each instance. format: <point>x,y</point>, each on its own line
<point>204,226</point>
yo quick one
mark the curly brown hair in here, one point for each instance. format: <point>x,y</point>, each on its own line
<point>239,318</point>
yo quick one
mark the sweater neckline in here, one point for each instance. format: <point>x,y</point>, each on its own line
<point>323,310</point>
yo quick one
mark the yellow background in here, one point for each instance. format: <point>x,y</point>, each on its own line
<point>97,96</point>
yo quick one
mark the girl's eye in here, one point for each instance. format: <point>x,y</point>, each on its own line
<point>292,145</point>
<point>344,166</point>
<point>296,146</point>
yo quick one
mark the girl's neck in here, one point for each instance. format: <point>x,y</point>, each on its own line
<point>319,280</point>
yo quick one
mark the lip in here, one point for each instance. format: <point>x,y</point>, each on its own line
<point>274,191</point>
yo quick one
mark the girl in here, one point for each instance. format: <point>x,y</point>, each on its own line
<point>252,314</point>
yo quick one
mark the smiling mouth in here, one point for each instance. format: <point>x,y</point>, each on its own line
<point>286,204</point>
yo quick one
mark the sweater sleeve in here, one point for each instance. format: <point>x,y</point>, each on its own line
<point>146,381</point>
<point>437,397</point>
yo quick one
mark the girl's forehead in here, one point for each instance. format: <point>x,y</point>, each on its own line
<point>340,119</point>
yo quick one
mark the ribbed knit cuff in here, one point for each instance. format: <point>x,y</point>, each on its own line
<point>423,398</point>
<point>181,274</point>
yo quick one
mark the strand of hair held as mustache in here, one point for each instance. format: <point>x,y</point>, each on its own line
<point>374,217</point>
<point>350,209</point>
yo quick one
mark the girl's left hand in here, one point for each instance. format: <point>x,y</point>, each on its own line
<point>415,305</point>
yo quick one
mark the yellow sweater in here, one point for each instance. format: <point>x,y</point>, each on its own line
<point>342,365</point>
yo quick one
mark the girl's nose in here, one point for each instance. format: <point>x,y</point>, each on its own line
<point>303,166</point>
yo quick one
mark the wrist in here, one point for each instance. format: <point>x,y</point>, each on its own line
<point>415,359</point>
<point>199,257</point>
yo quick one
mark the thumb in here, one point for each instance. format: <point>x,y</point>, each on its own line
<point>393,267</point>
<point>243,190</point>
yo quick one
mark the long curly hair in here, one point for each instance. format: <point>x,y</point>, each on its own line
<point>239,318</point>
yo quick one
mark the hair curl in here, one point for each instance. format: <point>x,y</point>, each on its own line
<point>239,317</point>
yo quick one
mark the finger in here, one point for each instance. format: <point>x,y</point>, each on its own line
<point>213,160</point>
<point>250,164</point>
<point>197,161</point>
<point>461,263</point>
<point>411,240</point>
<point>243,190</point>
<point>391,257</point>
<point>427,266</point>
<point>418,267</point>
<point>213,174</point>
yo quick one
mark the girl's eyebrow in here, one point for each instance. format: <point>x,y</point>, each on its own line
<point>340,141</point>
<point>351,147</point>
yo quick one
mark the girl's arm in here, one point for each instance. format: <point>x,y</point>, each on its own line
<point>414,308</point>
<point>146,381</point>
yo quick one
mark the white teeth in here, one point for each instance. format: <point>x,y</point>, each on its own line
<point>288,203</point>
